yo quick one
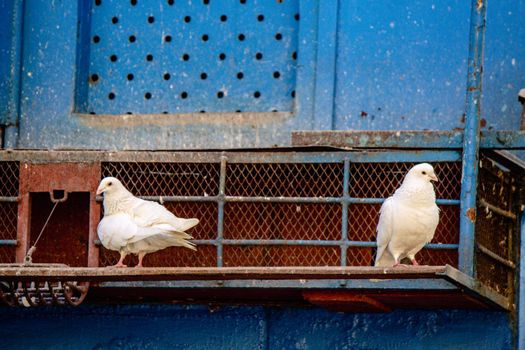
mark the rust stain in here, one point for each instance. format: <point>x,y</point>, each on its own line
<point>471,214</point>
<point>483,122</point>
<point>480,4</point>
<point>364,114</point>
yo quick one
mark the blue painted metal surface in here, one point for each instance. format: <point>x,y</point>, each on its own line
<point>401,65</point>
<point>504,64</point>
<point>200,327</point>
<point>10,56</point>
<point>377,66</point>
<point>471,138</point>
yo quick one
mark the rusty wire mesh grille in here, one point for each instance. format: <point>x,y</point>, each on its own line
<point>380,180</point>
<point>206,212</point>
<point>497,233</point>
<point>281,256</point>
<point>282,221</point>
<point>9,176</point>
<point>166,179</point>
<point>285,179</point>
<point>204,256</point>
<point>243,220</point>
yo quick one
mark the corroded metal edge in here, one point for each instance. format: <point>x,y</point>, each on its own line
<point>473,286</point>
<point>406,139</point>
<point>214,273</point>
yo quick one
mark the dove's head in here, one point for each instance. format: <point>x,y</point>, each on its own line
<point>110,185</point>
<point>423,171</point>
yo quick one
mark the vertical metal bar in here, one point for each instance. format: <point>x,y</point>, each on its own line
<point>345,203</point>
<point>520,317</point>
<point>325,65</point>
<point>10,136</point>
<point>471,137</point>
<point>220,203</point>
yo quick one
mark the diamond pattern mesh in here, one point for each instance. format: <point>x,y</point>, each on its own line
<point>359,256</point>
<point>499,234</point>
<point>285,179</point>
<point>166,179</point>
<point>205,256</point>
<point>282,221</point>
<point>380,180</point>
<point>9,174</point>
<point>281,256</point>
<point>245,220</point>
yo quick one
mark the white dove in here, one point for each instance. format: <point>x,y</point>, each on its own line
<point>135,226</point>
<point>408,219</point>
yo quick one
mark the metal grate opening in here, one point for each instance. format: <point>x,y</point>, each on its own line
<point>191,56</point>
<point>286,180</point>
<point>166,179</point>
<point>497,225</point>
<point>9,175</point>
<point>205,256</point>
<point>282,221</point>
<point>9,184</point>
<point>283,214</point>
<point>380,180</point>
<point>281,256</point>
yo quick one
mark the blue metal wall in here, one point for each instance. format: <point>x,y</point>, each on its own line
<point>198,327</point>
<point>340,65</point>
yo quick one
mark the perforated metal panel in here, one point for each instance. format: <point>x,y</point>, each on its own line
<point>287,213</point>
<point>153,57</point>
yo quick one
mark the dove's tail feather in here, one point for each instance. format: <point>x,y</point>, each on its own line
<point>184,224</point>
<point>384,259</point>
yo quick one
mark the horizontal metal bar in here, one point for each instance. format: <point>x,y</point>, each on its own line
<point>495,256</point>
<point>292,200</point>
<point>9,199</point>
<point>508,139</point>
<point>304,242</point>
<point>284,155</point>
<point>497,210</point>
<point>8,242</point>
<point>396,284</point>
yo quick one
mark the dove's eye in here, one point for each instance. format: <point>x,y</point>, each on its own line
<point>109,183</point>
<point>424,172</point>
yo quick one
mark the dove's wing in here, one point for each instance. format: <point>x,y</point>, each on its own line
<point>115,231</point>
<point>148,213</point>
<point>385,230</point>
<point>120,231</point>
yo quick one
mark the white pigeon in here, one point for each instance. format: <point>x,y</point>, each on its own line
<point>408,219</point>
<point>135,226</point>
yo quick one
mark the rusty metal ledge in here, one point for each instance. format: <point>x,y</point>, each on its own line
<point>213,273</point>
<point>406,139</point>
<point>419,279</point>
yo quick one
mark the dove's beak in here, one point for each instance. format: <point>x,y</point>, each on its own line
<point>100,190</point>
<point>434,178</point>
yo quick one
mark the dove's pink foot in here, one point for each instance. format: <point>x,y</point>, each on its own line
<point>141,257</point>
<point>414,262</point>
<point>398,264</point>
<point>119,264</point>
<point>121,261</point>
